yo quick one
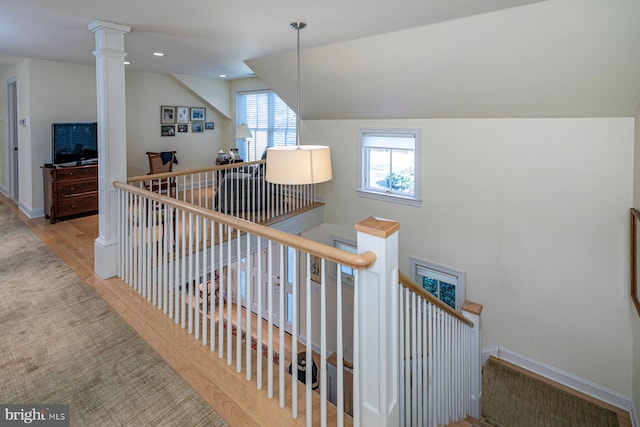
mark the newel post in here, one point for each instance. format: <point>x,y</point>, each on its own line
<point>472,311</point>
<point>377,326</point>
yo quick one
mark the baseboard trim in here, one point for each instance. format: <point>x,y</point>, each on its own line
<point>31,213</point>
<point>635,416</point>
<point>584,386</point>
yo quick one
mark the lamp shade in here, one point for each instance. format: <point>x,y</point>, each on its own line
<point>300,164</point>
<point>243,131</point>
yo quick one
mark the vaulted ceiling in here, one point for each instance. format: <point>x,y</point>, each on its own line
<point>558,58</point>
<point>369,58</point>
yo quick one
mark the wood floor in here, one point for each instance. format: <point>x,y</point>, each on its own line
<point>235,398</point>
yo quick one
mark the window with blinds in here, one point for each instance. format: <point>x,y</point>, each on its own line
<point>271,121</point>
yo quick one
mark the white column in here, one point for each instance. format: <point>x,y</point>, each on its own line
<point>377,334</point>
<point>472,311</point>
<point>112,145</point>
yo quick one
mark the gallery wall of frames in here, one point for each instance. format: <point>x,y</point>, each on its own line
<point>180,119</point>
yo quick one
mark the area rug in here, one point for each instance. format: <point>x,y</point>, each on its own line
<point>511,398</point>
<point>62,344</point>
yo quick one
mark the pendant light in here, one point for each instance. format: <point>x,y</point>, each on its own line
<point>299,164</point>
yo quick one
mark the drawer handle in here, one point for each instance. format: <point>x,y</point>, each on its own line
<point>72,188</point>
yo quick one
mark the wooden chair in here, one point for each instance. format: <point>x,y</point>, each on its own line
<point>162,162</point>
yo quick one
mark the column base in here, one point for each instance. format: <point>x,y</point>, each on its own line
<point>105,255</point>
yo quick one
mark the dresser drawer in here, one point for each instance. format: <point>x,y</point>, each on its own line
<point>76,205</point>
<point>75,188</point>
<point>68,174</point>
<point>70,190</point>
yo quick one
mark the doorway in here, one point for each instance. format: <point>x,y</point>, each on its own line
<point>12,127</point>
<point>281,281</point>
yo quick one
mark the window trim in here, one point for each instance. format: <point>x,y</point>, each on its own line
<point>346,280</point>
<point>361,191</point>
<point>269,129</point>
<point>460,275</point>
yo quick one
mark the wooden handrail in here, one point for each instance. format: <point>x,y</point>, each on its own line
<point>414,287</point>
<point>192,171</point>
<point>357,261</point>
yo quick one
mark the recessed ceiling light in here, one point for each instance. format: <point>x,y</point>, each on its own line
<point>158,54</point>
<point>127,62</point>
<point>222,76</point>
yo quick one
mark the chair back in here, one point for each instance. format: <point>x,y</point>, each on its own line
<point>160,162</point>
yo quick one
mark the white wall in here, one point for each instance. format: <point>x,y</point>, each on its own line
<point>534,210</point>
<point>214,92</point>
<point>47,92</point>
<point>146,92</point>
<point>51,91</point>
<point>59,92</point>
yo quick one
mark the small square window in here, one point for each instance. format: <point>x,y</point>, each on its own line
<point>389,165</point>
<point>445,283</point>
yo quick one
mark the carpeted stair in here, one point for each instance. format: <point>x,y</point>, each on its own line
<point>511,398</point>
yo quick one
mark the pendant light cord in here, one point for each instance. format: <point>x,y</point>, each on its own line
<point>298,26</point>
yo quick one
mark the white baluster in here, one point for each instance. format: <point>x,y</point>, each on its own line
<point>308,360</point>
<point>323,344</point>
<point>294,339</point>
<point>281,322</point>
<point>248,282</point>
<point>339,345</point>
<point>205,286</point>
<point>228,317</point>
<point>260,286</point>
<point>270,325</point>
<point>212,292</point>
<point>190,278</point>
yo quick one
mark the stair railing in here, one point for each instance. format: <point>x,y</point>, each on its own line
<point>238,189</point>
<point>190,262</point>
<point>440,358</point>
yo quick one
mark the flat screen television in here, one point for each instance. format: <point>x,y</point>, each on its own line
<point>74,143</point>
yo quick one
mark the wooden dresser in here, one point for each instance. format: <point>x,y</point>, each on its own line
<point>70,190</point>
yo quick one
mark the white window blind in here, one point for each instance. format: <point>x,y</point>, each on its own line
<point>271,121</point>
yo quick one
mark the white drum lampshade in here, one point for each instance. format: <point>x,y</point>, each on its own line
<point>299,164</point>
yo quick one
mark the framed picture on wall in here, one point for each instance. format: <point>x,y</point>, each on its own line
<point>208,125</point>
<point>167,114</point>
<point>197,127</point>
<point>315,268</point>
<point>183,128</point>
<point>168,130</point>
<point>198,114</point>
<point>182,115</point>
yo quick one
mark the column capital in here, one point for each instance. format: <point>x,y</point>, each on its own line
<point>98,25</point>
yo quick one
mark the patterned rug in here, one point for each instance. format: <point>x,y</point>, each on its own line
<point>513,399</point>
<point>62,344</point>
